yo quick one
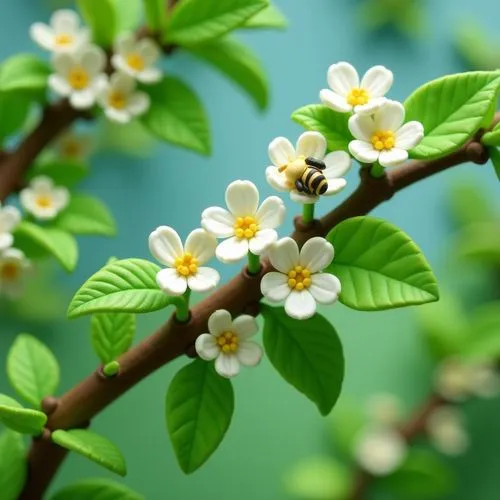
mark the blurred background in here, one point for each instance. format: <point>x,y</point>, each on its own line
<point>274,426</point>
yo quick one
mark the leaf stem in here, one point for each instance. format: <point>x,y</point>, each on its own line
<point>182,314</point>
<point>377,170</point>
<point>308,212</point>
<point>253,263</point>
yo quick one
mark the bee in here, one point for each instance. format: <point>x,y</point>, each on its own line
<point>305,175</point>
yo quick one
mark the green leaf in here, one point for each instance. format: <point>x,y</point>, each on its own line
<point>344,426</point>
<point>318,478</point>
<point>199,407</point>
<point>495,160</point>
<point>122,286</point>
<point>176,115</point>
<point>483,343</point>
<point>14,110</point>
<point>379,266</point>
<point>86,215</point>
<point>112,334</point>
<point>195,22</point>
<point>13,465</point>
<point>238,63</point>
<point>129,14</point>
<point>32,369</point>
<point>97,489</point>
<point>53,240</point>
<point>469,203</point>
<point>307,354</point>
<point>19,419</point>
<point>269,17</point>
<point>480,243</point>
<point>155,14</point>
<point>452,110</point>
<point>492,138</point>
<point>66,173</point>
<point>331,124</point>
<point>101,16</point>
<point>92,446</point>
<point>24,73</point>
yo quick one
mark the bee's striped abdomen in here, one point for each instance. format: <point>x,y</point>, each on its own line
<point>314,181</point>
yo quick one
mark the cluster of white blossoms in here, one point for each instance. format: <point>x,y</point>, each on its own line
<point>80,67</point>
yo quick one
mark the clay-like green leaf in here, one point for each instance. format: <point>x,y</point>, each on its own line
<point>14,110</point>
<point>452,110</point>
<point>24,73</point>
<point>112,334</point>
<point>492,138</point>
<point>331,124</point>
<point>97,489</point>
<point>469,203</point>
<point>480,243</point>
<point>307,354</point>
<point>344,426</point>
<point>155,13</point>
<point>53,240</point>
<point>13,465</point>
<point>483,342</point>
<point>195,22</point>
<point>495,160</point>
<point>199,408</point>
<point>127,285</point>
<point>92,446</point>
<point>177,116</point>
<point>19,419</point>
<point>86,215</point>
<point>269,17</point>
<point>66,173</point>
<point>239,63</point>
<point>129,14</point>
<point>379,266</point>
<point>101,16</point>
<point>32,369</point>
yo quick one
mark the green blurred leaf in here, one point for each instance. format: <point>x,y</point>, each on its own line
<point>307,354</point>
<point>122,286</point>
<point>480,243</point>
<point>240,64</point>
<point>66,173</point>
<point>101,16</point>
<point>129,14</point>
<point>269,17</point>
<point>14,110</point>
<point>32,369</point>
<point>475,48</point>
<point>495,160</point>
<point>199,408</point>
<point>24,73</point>
<point>19,419</point>
<point>194,22</point>
<point>97,489</point>
<point>492,138</point>
<point>177,115</point>
<point>469,203</point>
<point>379,266</point>
<point>483,343</point>
<point>331,124</point>
<point>344,426</point>
<point>452,109</point>
<point>13,464</point>
<point>131,139</point>
<point>155,14</point>
<point>92,446</point>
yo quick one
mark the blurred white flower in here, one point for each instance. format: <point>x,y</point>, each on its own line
<point>385,409</point>
<point>246,226</point>
<point>298,279</point>
<point>348,94</point>
<point>446,431</point>
<point>9,219</point>
<point>73,146</point>
<point>13,269</point>
<point>183,261</point>
<point>64,34</point>
<point>228,343</point>
<point>42,199</point>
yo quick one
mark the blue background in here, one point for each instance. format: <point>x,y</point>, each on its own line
<point>273,425</point>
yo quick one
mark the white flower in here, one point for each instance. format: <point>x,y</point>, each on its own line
<point>9,219</point>
<point>73,146</point>
<point>385,409</point>
<point>42,199</point>
<point>446,431</point>
<point>382,137</point>
<point>13,268</point>
<point>347,93</point>
<point>184,262</point>
<point>380,450</point>
<point>289,164</point>
<point>298,279</point>
<point>228,343</point>
<point>137,58</point>
<point>246,226</point>
<point>64,34</point>
<point>79,76</point>
<point>120,99</point>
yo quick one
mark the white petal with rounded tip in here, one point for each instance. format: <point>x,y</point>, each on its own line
<point>325,288</point>
<point>274,286</point>
<point>300,305</point>
<point>118,115</point>
<point>262,241</point>
<point>165,245</point>
<point>276,179</point>
<point>485,381</point>
<point>220,321</point>
<point>393,157</point>
<point>316,254</point>
<point>93,59</point>
<point>149,50</point>
<point>342,78</point>
<point>82,99</point>
<point>6,240</point>
<point>305,199</point>
<point>335,186</point>
<point>371,107</point>
<point>390,117</point>
<point>232,250</point>
<point>27,199</point>
<point>60,197</point>
<point>284,255</point>
<point>10,217</point>
<point>271,213</point>
<point>204,280</point>
<point>245,326</point>
<point>201,245</point>
<point>281,151</point>
<point>139,103</point>
<point>119,63</point>
<point>409,135</point>
<point>311,144</point>
<point>65,21</point>
<point>242,198</point>
<point>337,164</point>
<point>123,83</point>
<point>42,184</point>
<point>249,353</point>
<point>362,127</point>
<point>59,85</point>
<point>218,221</point>
<point>45,213</point>
<point>227,365</point>
<point>206,347</point>
<point>335,101</point>
<point>63,63</point>
<point>377,81</point>
<point>150,75</point>
<point>363,151</point>
<point>125,43</point>
<point>42,35</point>
<point>170,282</point>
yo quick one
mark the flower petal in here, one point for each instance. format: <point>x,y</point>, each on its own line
<point>284,254</point>
<point>227,365</point>
<point>65,20</point>
<point>206,347</point>
<point>274,286</point>
<point>311,144</point>
<point>305,199</point>
<point>363,151</point>
<point>117,115</point>
<point>342,78</point>
<point>245,326</point>
<point>201,245</point>
<point>325,288</point>
<point>165,245</point>
<point>125,43</point>
<point>362,127</point>
<point>262,241</point>
<point>60,198</point>
<point>59,85</point>
<point>204,280</point>
<point>335,101</point>
<point>42,35</point>
<point>150,75</point>
<point>377,81</point>
<point>218,221</point>
<point>42,184</point>
<point>300,305</point>
<point>82,99</point>
<point>409,135</point>
<point>138,103</point>
<point>337,164</point>
<point>122,82</point>
<point>220,321</point>
<point>271,213</point>
<point>249,353</point>
<point>170,282</point>
<point>93,59</point>
<point>232,250</point>
<point>316,254</point>
<point>371,107</point>
<point>335,186</point>
<point>149,50</point>
<point>10,217</point>
<point>390,117</point>
<point>276,179</point>
<point>393,157</point>
<point>242,198</point>
<point>281,151</point>
<point>6,240</point>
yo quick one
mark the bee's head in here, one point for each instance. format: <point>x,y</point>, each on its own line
<point>295,168</point>
<point>314,162</point>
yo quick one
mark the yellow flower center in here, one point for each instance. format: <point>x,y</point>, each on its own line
<point>228,342</point>
<point>299,278</point>
<point>117,100</point>
<point>187,265</point>
<point>71,148</point>
<point>358,97</point>
<point>78,78</point>
<point>64,39</point>
<point>383,139</point>
<point>44,201</point>
<point>245,227</point>
<point>9,271</point>
<point>136,61</point>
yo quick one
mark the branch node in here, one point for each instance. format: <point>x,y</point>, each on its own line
<point>49,405</point>
<point>190,351</point>
<point>381,185</point>
<point>477,153</point>
<point>46,435</point>
<point>253,309</point>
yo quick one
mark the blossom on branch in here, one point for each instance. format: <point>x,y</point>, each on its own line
<point>228,343</point>
<point>9,219</point>
<point>42,199</point>
<point>446,431</point>
<point>13,269</point>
